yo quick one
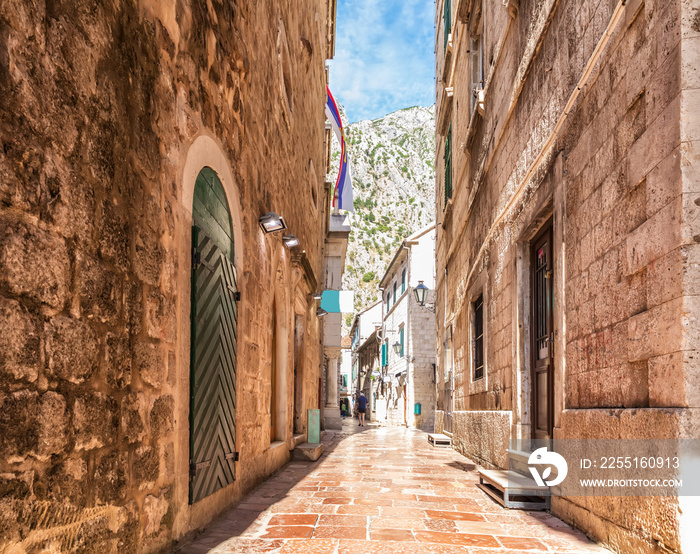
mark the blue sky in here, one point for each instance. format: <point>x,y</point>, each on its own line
<point>384,58</point>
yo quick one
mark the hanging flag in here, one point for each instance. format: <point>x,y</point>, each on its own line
<point>343,185</point>
<point>338,301</point>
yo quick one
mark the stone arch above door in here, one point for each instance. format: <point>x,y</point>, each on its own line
<point>206,152</point>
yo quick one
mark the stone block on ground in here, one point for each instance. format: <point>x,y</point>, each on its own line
<point>307,452</point>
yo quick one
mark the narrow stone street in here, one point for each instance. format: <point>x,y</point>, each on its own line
<point>382,489</point>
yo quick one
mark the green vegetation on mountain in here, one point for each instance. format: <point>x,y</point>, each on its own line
<point>393,169</point>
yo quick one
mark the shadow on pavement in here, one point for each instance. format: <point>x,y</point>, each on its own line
<point>242,517</point>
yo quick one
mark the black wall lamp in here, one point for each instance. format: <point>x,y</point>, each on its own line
<point>398,347</point>
<point>421,293</point>
<point>271,222</point>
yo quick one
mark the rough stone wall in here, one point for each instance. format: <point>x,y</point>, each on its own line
<point>421,349</point>
<point>620,181</point>
<point>99,104</point>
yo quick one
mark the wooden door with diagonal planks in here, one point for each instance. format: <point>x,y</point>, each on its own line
<point>213,376</point>
<point>213,341</point>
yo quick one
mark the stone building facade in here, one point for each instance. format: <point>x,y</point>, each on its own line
<point>365,354</point>
<point>121,125</point>
<point>405,388</point>
<point>567,204</point>
<point>336,245</point>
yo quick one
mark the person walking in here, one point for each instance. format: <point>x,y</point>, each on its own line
<point>362,408</point>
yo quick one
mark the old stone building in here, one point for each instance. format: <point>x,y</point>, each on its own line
<point>405,386</point>
<point>567,243</point>
<point>158,349</point>
<point>366,355</point>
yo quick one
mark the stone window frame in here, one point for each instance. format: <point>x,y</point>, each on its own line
<point>477,79</point>
<point>286,81</point>
<point>478,288</point>
<point>448,351</point>
<point>313,186</point>
<point>477,347</point>
<point>448,188</point>
<point>447,20</point>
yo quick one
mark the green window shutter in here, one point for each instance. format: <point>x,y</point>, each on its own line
<point>403,281</point>
<point>384,355</point>
<point>448,166</point>
<point>395,292</point>
<point>447,15</point>
<point>401,341</point>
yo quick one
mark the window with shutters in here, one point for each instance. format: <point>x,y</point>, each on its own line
<point>476,57</point>
<point>479,337</point>
<point>448,166</point>
<point>395,284</point>
<point>447,17</point>
<point>401,340</point>
<point>403,281</point>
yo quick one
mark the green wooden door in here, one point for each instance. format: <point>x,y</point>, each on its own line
<point>213,343</point>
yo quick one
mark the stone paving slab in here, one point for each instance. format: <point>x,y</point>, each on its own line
<point>382,490</point>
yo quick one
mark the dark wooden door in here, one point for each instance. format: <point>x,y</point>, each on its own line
<point>213,369</point>
<point>273,376</point>
<point>542,335</point>
<point>298,374</point>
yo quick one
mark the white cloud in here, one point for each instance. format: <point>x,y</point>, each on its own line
<point>384,58</point>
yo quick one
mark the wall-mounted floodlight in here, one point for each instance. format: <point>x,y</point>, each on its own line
<point>271,222</point>
<point>320,312</point>
<point>290,241</point>
<point>316,295</point>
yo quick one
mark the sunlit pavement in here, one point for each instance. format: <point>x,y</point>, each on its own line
<point>382,489</point>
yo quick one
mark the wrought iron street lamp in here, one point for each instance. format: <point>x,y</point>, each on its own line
<point>398,347</point>
<point>421,292</point>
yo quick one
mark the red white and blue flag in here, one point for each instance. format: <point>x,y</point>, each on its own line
<point>343,185</point>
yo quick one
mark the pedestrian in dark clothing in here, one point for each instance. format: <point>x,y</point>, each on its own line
<point>362,408</point>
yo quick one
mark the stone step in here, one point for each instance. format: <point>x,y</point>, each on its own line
<point>307,452</point>
<point>513,490</point>
<point>518,461</point>
<point>440,440</point>
<point>298,439</point>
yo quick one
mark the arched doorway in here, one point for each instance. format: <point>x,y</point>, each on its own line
<point>213,340</point>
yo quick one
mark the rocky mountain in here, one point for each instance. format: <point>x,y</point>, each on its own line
<point>393,169</point>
